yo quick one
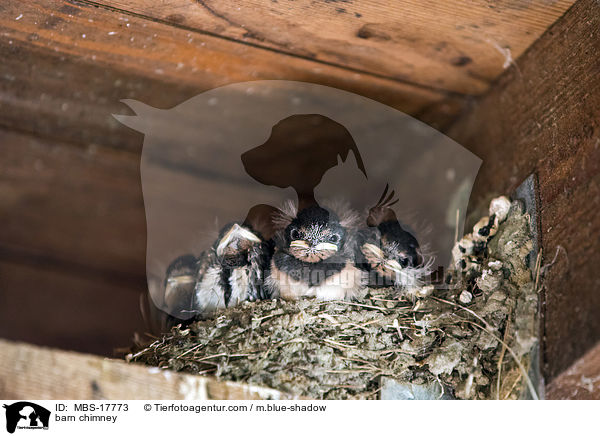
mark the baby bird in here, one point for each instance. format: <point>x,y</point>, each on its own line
<point>390,254</point>
<point>179,284</point>
<point>226,275</point>
<point>314,256</point>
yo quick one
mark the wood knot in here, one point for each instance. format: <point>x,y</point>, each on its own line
<point>176,18</point>
<point>461,61</point>
<point>370,31</point>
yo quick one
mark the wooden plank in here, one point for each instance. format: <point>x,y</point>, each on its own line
<point>580,382</point>
<point>68,309</point>
<point>74,62</point>
<point>81,206</point>
<point>544,117</point>
<point>450,44</point>
<point>28,371</point>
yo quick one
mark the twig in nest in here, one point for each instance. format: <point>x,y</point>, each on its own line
<point>501,358</point>
<point>350,371</point>
<point>513,386</point>
<point>345,386</point>
<point>538,268</point>
<point>383,299</point>
<point>222,355</point>
<point>354,359</point>
<point>382,309</point>
<point>396,350</point>
<point>337,344</point>
<point>373,321</point>
<point>190,350</point>
<point>271,315</point>
<point>130,357</point>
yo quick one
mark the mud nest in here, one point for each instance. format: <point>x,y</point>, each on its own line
<point>472,337</point>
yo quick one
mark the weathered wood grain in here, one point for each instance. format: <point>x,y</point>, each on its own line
<point>581,381</point>
<point>81,206</point>
<point>28,371</point>
<point>73,62</point>
<point>452,45</point>
<point>71,309</point>
<point>544,117</point>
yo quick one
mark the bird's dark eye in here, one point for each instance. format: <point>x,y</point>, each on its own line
<point>334,238</point>
<point>294,234</point>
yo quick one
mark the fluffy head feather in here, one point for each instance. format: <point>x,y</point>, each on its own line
<point>348,217</point>
<point>285,215</point>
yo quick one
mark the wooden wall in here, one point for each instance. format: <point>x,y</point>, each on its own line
<point>543,116</point>
<point>581,381</point>
<point>72,225</point>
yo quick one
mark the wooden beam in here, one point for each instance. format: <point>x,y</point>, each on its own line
<point>28,371</point>
<point>74,62</point>
<point>450,44</point>
<point>580,382</point>
<point>81,206</point>
<point>69,309</point>
<point>544,117</point>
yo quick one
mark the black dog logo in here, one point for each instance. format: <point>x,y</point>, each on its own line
<point>300,150</point>
<point>24,414</point>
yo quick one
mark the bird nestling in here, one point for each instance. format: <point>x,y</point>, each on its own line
<point>226,275</point>
<point>314,255</point>
<point>391,255</point>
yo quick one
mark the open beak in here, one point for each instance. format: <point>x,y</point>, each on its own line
<point>326,246</point>
<point>236,233</point>
<point>323,246</point>
<point>373,249</point>
<point>299,244</point>
<point>393,265</point>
